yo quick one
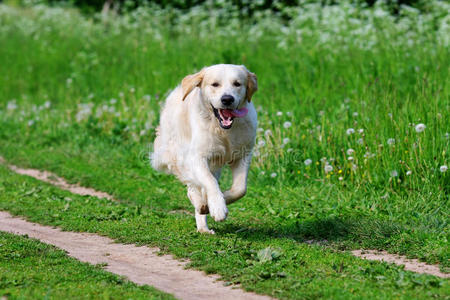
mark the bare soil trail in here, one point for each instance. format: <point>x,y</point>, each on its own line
<point>141,265</point>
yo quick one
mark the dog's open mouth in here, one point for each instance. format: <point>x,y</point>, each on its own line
<point>226,116</point>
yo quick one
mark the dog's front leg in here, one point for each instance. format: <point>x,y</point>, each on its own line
<point>239,169</point>
<point>216,202</point>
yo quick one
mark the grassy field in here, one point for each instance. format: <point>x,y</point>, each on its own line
<point>352,147</point>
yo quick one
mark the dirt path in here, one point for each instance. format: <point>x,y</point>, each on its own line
<point>413,265</point>
<point>139,264</point>
<point>410,264</point>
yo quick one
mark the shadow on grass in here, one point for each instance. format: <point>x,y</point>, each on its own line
<point>331,229</point>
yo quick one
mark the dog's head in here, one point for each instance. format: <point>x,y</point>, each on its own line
<point>225,88</point>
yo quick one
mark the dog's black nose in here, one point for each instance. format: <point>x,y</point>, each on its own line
<point>227,100</point>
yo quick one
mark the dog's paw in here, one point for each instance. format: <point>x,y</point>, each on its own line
<point>218,212</point>
<point>206,230</point>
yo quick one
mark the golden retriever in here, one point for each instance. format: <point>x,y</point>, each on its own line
<point>207,122</point>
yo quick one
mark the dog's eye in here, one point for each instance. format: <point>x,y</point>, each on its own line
<point>215,84</point>
<point>236,84</point>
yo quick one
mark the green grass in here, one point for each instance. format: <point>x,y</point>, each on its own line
<point>33,270</point>
<point>80,96</point>
<point>297,270</point>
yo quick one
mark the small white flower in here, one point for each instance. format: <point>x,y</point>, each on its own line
<point>30,123</point>
<point>307,162</point>
<point>261,143</point>
<point>289,113</point>
<point>12,105</point>
<point>350,151</point>
<point>286,140</point>
<point>420,127</point>
<point>113,101</point>
<point>268,132</point>
<point>287,124</point>
<point>350,131</point>
<point>360,141</point>
<point>47,104</point>
<point>408,173</point>
<point>361,131</point>
<point>259,129</point>
<point>279,113</point>
<point>341,178</point>
<point>394,173</point>
<point>443,169</point>
<point>328,168</point>
<point>273,175</point>
<point>391,141</point>
<point>355,114</point>
<point>350,158</point>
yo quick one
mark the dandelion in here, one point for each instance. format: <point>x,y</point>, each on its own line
<point>261,143</point>
<point>323,159</point>
<point>350,158</point>
<point>121,94</point>
<point>360,141</point>
<point>447,135</point>
<point>132,90</point>
<point>289,113</point>
<point>147,98</point>
<point>355,114</point>
<point>259,129</point>
<point>321,113</point>
<point>307,162</point>
<point>142,132</point>
<point>268,132</point>
<point>113,101</point>
<point>287,124</point>
<point>420,127</point>
<point>341,178</point>
<point>361,131</point>
<point>354,167</point>
<point>30,123</point>
<point>273,175</point>
<point>279,113</point>
<point>350,151</point>
<point>443,169</point>
<point>286,140</point>
<point>391,141</point>
<point>69,81</point>
<point>328,168</point>
<point>47,104</point>
<point>394,173</point>
<point>12,105</point>
<point>289,150</point>
<point>408,173</point>
<point>263,173</point>
<point>350,131</point>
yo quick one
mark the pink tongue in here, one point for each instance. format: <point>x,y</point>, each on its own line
<point>239,113</point>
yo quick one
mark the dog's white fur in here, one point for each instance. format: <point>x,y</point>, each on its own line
<point>191,145</point>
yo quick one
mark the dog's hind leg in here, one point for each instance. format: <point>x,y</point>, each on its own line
<point>198,199</point>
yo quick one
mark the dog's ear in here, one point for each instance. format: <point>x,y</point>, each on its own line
<point>191,81</point>
<point>252,84</point>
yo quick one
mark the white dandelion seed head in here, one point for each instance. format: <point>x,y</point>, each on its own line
<point>443,169</point>
<point>408,173</point>
<point>350,158</point>
<point>12,105</point>
<point>268,132</point>
<point>113,101</point>
<point>289,113</point>
<point>328,168</point>
<point>360,131</point>
<point>420,127</point>
<point>323,159</point>
<point>69,81</point>
<point>286,140</point>
<point>391,141</point>
<point>47,104</point>
<point>354,167</point>
<point>307,162</point>
<point>289,150</point>
<point>261,143</point>
<point>279,113</point>
<point>287,124</point>
<point>355,114</point>
<point>259,129</point>
<point>360,141</point>
<point>30,123</point>
<point>350,131</point>
<point>350,151</point>
<point>394,173</point>
<point>447,135</point>
<point>132,90</point>
<point>262,173</point>
<point>273,175</point>
<point>341,178</point>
